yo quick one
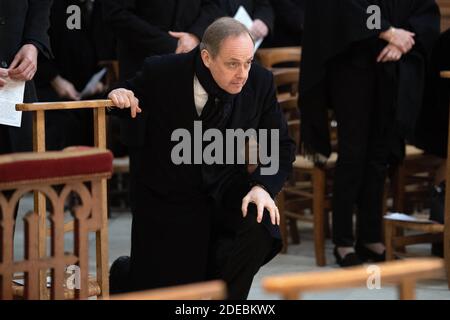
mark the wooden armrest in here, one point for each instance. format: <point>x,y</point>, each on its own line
<point>215,290</point>
<point>66,105</point>
<point>354,276</point>
<point>445,74</point>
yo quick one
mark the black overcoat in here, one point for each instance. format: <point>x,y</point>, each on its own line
<point>174,203</point>
<point>141,28</point>
<point>333,29</point>
<point>23,22</point>
<point>257,9</point>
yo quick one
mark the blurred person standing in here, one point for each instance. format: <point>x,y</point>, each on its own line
<point>259,10</point>
<point>23,35</point>
<point>78,51</point>
<point>370,68</point>
<point>289,23</point>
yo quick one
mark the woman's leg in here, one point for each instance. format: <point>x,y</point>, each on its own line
<point>370,202</point>
<point>351,89</point>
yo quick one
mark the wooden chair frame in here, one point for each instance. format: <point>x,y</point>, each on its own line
<point>394,237</point>
<point>212,290</point>
<point>273,56</point>
<point>87,218</point>
<point>99,110</point>
<point>403,273</point>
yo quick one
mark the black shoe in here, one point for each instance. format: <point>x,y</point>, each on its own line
<point>119,281</point>
<point>437,203</point>
<point>350,259</point>
<point>365,254</point>
<point>437,249</point>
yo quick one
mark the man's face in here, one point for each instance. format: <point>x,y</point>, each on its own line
<point>232,64</point>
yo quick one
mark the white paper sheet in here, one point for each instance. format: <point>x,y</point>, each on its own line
<point>10,95</point>
<point>404,217</point>
<point>21,282</point>
<point>243,17</point>
<point>92,83</point>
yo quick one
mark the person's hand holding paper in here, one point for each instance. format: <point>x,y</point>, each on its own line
<point>94,85</point>
<point>65,89</point>
<point>11,93</point>
<point>256,27</point>
<point>24,65</point>
<point>259,29</point>
<point>3,76</point>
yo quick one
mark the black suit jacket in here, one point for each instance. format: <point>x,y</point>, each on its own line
<point>141,27</point>
<point>23,22</point>
<point>77,52</point>
<point>289,21</point>
<point>165,90</point>
<point>257,9</point>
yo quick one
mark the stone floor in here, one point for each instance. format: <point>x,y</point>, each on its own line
<point>299,258</point>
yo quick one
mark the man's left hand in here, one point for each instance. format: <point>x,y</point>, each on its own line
<point>24,65</point>
<point>262,200</point>
<point>186,41</point>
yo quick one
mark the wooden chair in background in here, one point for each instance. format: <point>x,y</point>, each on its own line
<point>99,111</point>
<point>79,170</point>
<point>212,290</point>
<point>403,273</point>
<point>395,231</point>
<point>118,187</point>
<point>444,6</point>
<point>412,180</point>
<point>286,84</point>
<point>271,57</point>
<point>307,189</point>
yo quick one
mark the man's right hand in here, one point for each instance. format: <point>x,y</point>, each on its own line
<point>123,99</point>
<point>3,76</point>
<point>402,39</point>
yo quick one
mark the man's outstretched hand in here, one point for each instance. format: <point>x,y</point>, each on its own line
<point>262,200</point>
<point>124,99</point>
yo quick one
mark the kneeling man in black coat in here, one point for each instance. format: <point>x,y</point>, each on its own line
<point>200,214</point>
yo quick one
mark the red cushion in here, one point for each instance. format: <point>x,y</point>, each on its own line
<point>18,167</point>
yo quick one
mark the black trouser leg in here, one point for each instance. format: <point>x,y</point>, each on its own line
<point>6,147</point>
<point>170,234</point>
<point>352,94</point>
<point>5,144</point>
<point>370,204</point>
<point>236,258</point>
<point>239,246</point>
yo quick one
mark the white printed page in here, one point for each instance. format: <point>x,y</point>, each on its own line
<point>10,95</point>
<point>243,17</point>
